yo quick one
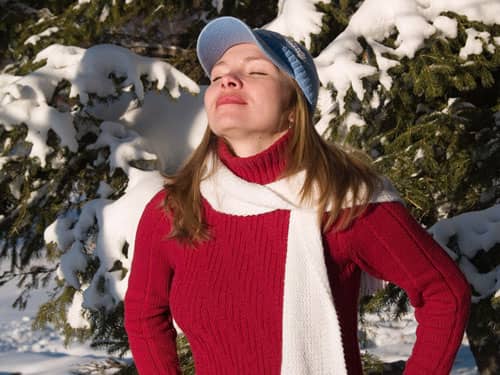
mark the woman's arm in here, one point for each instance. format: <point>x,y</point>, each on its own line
<point>389,244</point>
<point>148,321</point>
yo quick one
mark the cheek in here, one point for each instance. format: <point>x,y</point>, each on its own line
<point>208,98</point>
<point>286,94</point>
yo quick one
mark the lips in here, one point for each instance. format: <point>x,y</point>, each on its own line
<point>230,99</point>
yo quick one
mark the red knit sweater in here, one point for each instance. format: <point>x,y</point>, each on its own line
<point>227,294</point>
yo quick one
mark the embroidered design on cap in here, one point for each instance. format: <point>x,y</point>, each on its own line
<point>295,47</point>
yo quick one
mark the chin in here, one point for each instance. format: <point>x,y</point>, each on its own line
<point>228,127</point>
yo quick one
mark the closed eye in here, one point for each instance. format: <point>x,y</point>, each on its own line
<point>259,73</point>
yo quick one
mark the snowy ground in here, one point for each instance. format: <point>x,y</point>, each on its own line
<point>24,351</point>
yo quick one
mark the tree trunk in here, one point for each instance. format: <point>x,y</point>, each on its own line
<point>483,333</point>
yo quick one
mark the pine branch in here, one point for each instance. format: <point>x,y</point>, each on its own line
<point>7,276</point>
<point>155,49</point>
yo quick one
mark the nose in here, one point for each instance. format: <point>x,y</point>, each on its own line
<point>230,80</point>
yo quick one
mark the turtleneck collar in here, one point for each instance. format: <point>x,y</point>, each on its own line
<point>261,168</point>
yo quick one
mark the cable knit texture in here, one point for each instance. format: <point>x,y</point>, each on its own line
<point>227,295</point>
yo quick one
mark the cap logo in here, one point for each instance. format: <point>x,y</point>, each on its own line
<point>298,51</point>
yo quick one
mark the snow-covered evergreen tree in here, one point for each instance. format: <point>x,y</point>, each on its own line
<point>96,95</point>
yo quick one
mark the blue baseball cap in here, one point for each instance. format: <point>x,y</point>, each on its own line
<point>222,33</point>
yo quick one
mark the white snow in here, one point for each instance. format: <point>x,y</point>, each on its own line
<point>297,19</point>
<point>218,4</point>
<point>474,43</point>
<point>99,61</point>
<point>412,20</point>
<point>104,13</point>
<point>39,117</point>
<point>171,129</point>
<point>33,39</point>
<point>36,352</point>
<point>392,340</point>
<point>447,26</point>
<point>75,312</point>
<point>326,107</point>
<point>474,231</point>
<point>125,145</point>
<point>418,155</point>
<point>117,223</point>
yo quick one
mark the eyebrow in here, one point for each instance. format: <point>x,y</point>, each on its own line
<point>246,59</point>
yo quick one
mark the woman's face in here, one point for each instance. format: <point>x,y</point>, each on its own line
<point>249,98</point>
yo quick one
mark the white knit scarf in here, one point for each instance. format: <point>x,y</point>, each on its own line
<point>312,338</point>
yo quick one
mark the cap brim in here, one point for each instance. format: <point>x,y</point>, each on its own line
<point>220,35</point>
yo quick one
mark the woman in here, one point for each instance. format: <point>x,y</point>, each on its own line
<point>257,246</point>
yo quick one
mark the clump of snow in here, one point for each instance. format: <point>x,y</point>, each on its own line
<point>418,155</point>
<point>170,128</point>
<point>218,4</point>
<point>104,13</point>
<point>115,223</point>
<point>474,43</point>
<point>33,39</point>
<point>104,190</point>
<point>125,145</point>
<point>353,119</point>
<point>486,11</point>
<point>99,61</point>
<point>39,119</point>
<point>6,79</point>
<point>80,3</point>
<point>297,19</point>
<point>72,262</point>
<point>326,107</point>
<point>447,26</point>
<point>474,231</point>
<point>117,226</point>
<point>75,312</point>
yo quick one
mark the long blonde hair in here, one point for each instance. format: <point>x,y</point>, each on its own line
<point>334,172</point>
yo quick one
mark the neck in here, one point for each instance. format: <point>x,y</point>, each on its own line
<point>253,145</point>
<point>263,167</point>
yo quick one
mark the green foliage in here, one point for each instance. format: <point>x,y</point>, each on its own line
<point>335,19</point>
<point>371,364</point>
<point>109,332</point>
<point>483,333</point>
<point>436,135</point>
<point>426,135</point>
<point>254,13</point>
<point>54,312</point>
<point>391,301</point>
<point>185,356</point>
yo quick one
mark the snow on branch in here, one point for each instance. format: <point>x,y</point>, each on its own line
<point>297,19</point>
<point>125,145</point>
<point>96,236</point>
<point>98,62</point>
<point>114,224</point>
<point>26,99</point>
<point>473,232</point>
<point>413,21</point>
<point>34,39</point>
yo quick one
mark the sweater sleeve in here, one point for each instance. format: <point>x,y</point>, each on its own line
<point>148,321</point>
<point>389,244</point>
